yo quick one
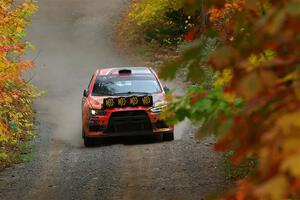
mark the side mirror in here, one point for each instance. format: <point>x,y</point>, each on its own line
<point>166,89</point>
<point>85,92</point>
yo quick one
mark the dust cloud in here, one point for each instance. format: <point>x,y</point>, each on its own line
<point>71,44</point>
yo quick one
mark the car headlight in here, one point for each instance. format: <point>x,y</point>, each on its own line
<point>97,112</point>
<point>158,107</point>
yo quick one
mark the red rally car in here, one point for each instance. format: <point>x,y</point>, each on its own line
<point>124,102</point>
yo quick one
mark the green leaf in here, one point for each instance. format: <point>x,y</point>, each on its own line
<point>212,33</point>
<point>182,113</point>
<point>264,8</point>
<point>225,127</point>
<point>196,73</point>
<point>168,71</point>
<point>293,8</point>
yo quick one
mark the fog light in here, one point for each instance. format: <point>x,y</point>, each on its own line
<point>97,112</point>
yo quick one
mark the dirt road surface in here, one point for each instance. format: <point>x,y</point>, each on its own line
<point>74,38</point>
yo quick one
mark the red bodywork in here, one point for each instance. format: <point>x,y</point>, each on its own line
<point>101,122</point>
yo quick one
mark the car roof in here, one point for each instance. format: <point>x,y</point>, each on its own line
<point>113,71</point>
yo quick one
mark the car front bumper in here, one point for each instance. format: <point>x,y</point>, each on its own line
<point>126,123</point>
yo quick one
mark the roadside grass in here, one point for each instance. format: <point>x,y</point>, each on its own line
<point>25,155</point>
<point>27,149</point>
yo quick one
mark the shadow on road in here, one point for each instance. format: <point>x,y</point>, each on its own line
<point>128,140</point>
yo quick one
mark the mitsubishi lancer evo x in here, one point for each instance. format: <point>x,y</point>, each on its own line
<point>124,102</point>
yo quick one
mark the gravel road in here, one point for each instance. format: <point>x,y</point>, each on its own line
<point>74,38</point>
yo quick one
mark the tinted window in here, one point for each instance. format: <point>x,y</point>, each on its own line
<point>115,85</point>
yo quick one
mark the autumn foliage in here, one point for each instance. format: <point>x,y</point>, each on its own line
<point>259,41</point>
<point>16,94</point>
<point>269,125</point>
<point>158,22</point>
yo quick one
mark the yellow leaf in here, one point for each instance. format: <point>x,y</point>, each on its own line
<point>290,144</point>
<point>253,60</point>
<point>292,165</point>
<point>288,121</point>
<point>229,97</point>
<point>273,189</point>
<point>19,29</point>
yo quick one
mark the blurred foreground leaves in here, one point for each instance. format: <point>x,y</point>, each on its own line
<point>256,111</point>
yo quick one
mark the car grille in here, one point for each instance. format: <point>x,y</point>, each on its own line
<point>129,121</point>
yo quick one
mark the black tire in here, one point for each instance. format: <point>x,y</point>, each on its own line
<point>169,136</point>
<point>88,142</point>
<point>159,138</point>
<point>83,134</point>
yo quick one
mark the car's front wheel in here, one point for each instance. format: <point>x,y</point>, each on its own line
<point>169,136</point>
<point>83,133</point>
<point>88,142</point>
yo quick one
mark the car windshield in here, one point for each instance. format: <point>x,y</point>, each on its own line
<point>116,85</point>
